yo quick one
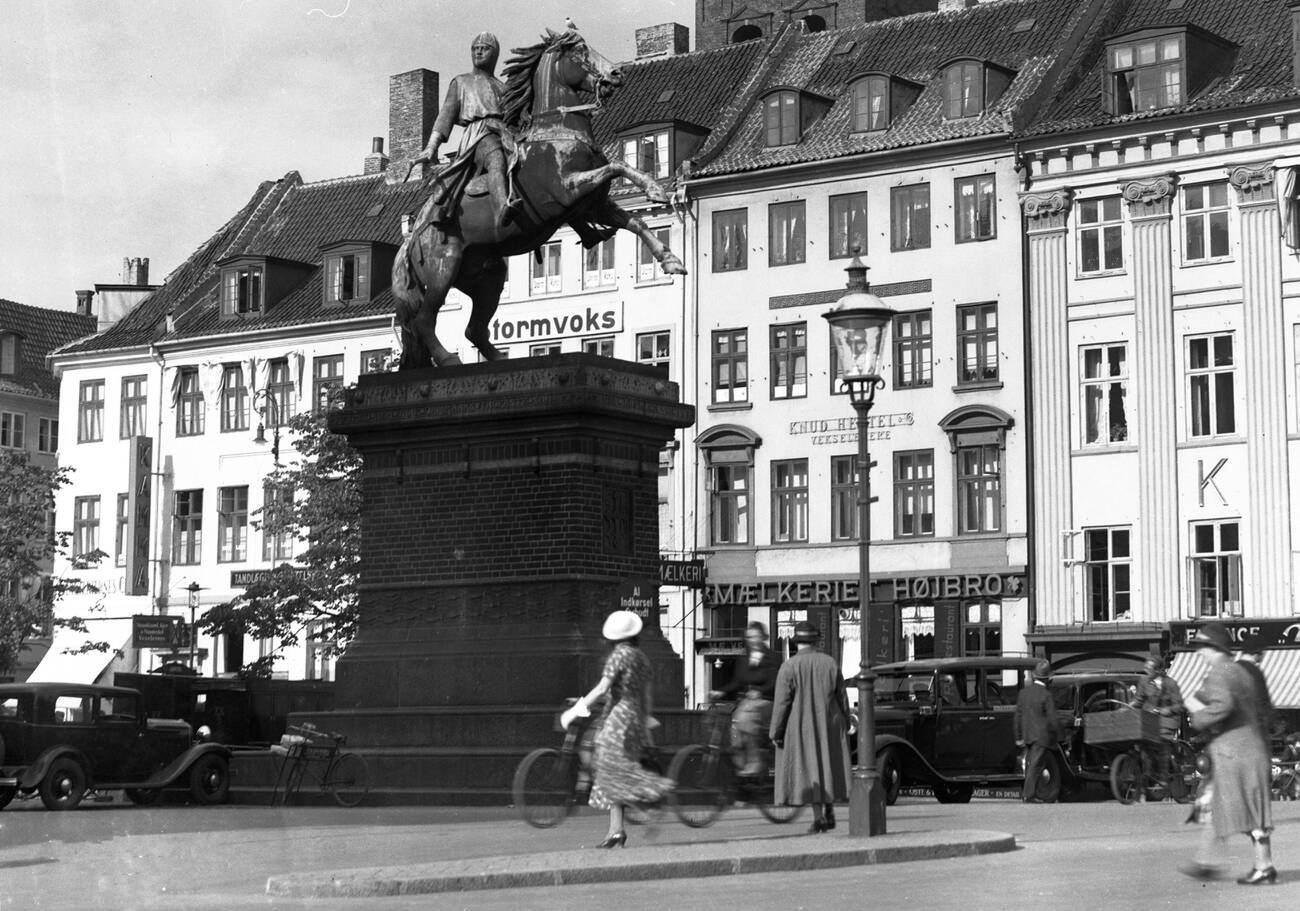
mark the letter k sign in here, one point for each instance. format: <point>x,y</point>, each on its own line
<point>1207,480</point>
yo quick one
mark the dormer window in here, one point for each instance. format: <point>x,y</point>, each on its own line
<point>242,290</point>
<point>787,115</point>
<point>251,285</point>
<point>970,87</point>
<point>10,353</point>
<point>355,271</point>
<point>649,152</point>
<point>879,100</point>
<point>1162,68</point>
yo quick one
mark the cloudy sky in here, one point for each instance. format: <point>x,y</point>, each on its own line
<point>138,127</point>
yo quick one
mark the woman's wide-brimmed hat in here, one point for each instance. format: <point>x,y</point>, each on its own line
<point>1213,635</point>
<point>806,632</point>
<point>620,625</point>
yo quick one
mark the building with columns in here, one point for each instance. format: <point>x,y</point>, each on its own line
<point>1163,316</point>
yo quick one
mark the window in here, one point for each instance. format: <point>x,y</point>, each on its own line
<point>647,267</point>
<point>232,524</point>
<point>123,517</point>
<point>730,240</point>
<point>730,366</point>
<point>320,648</point>
<point>963,90</point>
<point>85,526</point>
<point>279,390</point>
<point>982,632</point>
<point>1205,221</point>
<point>913,349</point>
<point>848,215</point>
<point>598,265</point>
<point>134,406</point>
<point>654,348</point>
<point>870,104</point>
<point>844,498</point>
<point>1107,563</point>
<point>241,291</point>
<point>790,501</point>
<point>546,270</point>
<point>977,344</point>
<point>187,527</point>
<point>277,513</point>
<point>12,426</point>
<point>785,233</point>
<point>1210,379</point>
<point>9,353</point>
<point>73,709</point>
<point>90,411</point>
<point>976,208</point>
<point>649,153</point>
<point>1216,569</point>
<point>47,438</point>
<point>1105,390</point>
<point>189,403</point>
<point>1145,75</point>
<point>914,493</point>
<point>347,278</point>
<point>234,398</point>
<point>729,504</point>
<point>789,361</point>
<point>909,217</point>
<point>781,118</point>
<point>375,360</point>
<point>604,346</point>
<point>543,349</point>
<point>1101,235</point>
<point>327,380</point>
<point>979,489</point>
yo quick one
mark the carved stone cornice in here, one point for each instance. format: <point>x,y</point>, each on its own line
<point>1255,182</point>
<point>1151,198</point>
<point>1047,211</point>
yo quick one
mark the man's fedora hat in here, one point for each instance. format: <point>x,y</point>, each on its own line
<point>620,625</point>
<point>1213,635</point>
<point>806,632</point>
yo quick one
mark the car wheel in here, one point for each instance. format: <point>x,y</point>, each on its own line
<point>210,780</point>
<point>64,785</point>
<point>891,777</point>
<point>143,797</point>
<point>1049,779</point>
<point>6,795</point>
<point>953,793</point>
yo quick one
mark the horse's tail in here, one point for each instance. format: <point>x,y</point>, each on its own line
<point>406,284</point>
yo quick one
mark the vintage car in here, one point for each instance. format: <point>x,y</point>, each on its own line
<point>60,740</point>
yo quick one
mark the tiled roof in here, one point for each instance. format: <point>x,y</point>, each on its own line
<point>1261,71</point>
<point>42,331</point>
<point>911,47</point>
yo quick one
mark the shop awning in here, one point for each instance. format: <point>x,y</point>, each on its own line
<point>1281,668</point>
<point>58,666</point>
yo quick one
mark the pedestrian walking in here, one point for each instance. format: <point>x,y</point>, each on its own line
<point>1227,709</point>
<point>1037,729</point>
<point>1252,653</point>
<point>755,681</point>
<point>809,727</point>
<point>618,778</point>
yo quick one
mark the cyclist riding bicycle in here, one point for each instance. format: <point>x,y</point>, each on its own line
<point>756,680</point>
<point>1158,693</point>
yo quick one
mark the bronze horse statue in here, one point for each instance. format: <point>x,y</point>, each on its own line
<point>562,178</point>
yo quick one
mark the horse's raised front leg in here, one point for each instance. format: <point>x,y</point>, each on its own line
<point>580,183</point>
<point>441,263</point>
<point>611,213</point>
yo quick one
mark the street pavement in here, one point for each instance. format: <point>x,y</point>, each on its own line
<point>1087,856</point>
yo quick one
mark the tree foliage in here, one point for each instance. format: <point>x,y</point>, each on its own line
<point>323,521</point>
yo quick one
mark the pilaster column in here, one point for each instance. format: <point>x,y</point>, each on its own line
<point>1156,535</point>
<point>1046,215</point>
<point>1266,551</point>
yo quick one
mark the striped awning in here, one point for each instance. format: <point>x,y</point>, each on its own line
<point>1281,668</point>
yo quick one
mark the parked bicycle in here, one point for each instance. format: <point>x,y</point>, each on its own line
<point>707,779</point>
<point>1286,770</point>
<point>308,750</point>
<point>549,783</point>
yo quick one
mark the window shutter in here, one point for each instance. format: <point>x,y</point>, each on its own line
<point>363,276</point>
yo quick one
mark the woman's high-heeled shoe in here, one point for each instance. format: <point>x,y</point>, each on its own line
<point>1256,877</point>
<point>617,840</point>
<point>818,826</point>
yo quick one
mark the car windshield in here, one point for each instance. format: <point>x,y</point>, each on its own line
<point>904,687</point>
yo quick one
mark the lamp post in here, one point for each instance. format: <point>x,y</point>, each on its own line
<point>269,403</point>
<point>193,588</point>
<point>859,323</point>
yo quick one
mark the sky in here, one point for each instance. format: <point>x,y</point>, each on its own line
<point>139,127</point>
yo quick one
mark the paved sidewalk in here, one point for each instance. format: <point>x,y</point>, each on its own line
<point>814,852</point>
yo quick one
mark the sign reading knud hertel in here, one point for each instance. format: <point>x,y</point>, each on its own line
<point>641,596</point>
<point>153,631</point>
<point>685,573</point>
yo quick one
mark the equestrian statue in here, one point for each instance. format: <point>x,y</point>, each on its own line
<point>527,164</point>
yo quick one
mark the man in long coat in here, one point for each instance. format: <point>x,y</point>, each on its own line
<point>1036,726</point>
<point>809,727</point>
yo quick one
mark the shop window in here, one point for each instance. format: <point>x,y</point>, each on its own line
<point>134,407</point>
<point>1215,569</point>
<point>1107,566</point>
<point>909,227</point>
<point>1211,375</point>
<point>848,225</point>
<point>1105,394</point>
<point>790,501</point>
<point>786,228</point>
<point>730,240</point>
<point>982,631</point>
<point>789,375</point>
<point>730,367</point>
<point>1101,236</point>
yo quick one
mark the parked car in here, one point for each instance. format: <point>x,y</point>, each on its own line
<point>62,739</point>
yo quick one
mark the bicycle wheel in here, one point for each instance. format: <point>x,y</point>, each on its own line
<point>544,787</point>
<point>1182,774</point>
<point>349,779</point>
<point>1126,778</point>
<point>703,785</point>
<point>646,814</point>
<point>775,812</point>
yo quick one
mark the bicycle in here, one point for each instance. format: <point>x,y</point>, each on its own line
<point>1136,774</point>
<point>345,776</point>
<point>548,783</point>
<point>1286,770</point>
<point>707,782</point>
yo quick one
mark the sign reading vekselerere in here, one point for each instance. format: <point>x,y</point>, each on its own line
<point>556,322</point>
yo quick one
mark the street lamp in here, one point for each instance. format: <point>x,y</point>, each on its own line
<point>859,324</point>
<point>268,403</point>
<point>193,588</point>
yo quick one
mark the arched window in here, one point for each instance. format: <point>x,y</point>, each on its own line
<point>814,23</point>
<point>977,435</point>
<point>728,451</point>
<point>746,33</point>
<point>870,104</point>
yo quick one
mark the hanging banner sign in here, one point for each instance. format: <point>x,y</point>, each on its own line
<point>686,573</point>
<point>138,511</point>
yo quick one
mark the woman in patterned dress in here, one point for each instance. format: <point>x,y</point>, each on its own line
<point>619,778</point>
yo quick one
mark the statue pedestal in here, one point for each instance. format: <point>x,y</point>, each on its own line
<point>504,507</point>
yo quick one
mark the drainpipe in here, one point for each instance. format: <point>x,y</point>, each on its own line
<point>1031,531</point>
<point>156,481</point>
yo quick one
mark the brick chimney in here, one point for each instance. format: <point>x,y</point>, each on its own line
<point>135,270</point>
<point>84,306</point>
<point>376,161</point>
<point>412,108</point>
<point>665,40</point>
<point>952,6</point>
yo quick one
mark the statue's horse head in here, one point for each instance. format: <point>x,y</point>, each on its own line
<point>562,73</point>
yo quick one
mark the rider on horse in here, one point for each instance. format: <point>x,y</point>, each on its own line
<point>473,102</point>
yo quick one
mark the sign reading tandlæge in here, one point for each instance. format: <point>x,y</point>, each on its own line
<point>557,322</point>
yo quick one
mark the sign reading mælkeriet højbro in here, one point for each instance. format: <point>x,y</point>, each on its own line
<point>556,321</point>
